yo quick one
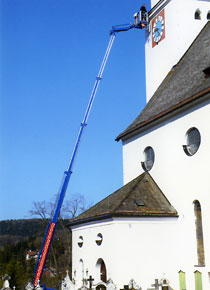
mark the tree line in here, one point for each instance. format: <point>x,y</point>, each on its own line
<point>17,237</point>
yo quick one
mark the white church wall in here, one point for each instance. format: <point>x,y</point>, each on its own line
<point>146,246</point>
<point>150,244</point>
<point>183,179</point>
<point>181,28</point>
<point>90,252</point>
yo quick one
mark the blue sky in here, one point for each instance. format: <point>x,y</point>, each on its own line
<point>51,51</point>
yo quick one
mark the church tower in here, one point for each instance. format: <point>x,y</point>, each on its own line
<point>174,24</point>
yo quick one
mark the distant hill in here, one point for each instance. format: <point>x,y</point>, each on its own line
<point>14,231</point>
<point>17,237</point>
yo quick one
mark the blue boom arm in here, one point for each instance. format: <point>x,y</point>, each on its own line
<point>67,174</point>
<point>124,27</point>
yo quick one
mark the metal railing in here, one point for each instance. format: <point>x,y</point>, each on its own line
<point>141,17</point>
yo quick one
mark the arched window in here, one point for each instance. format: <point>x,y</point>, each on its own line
<point>81,271</point>
<point>208,16</point>
<point>199,233</point>
<point>198,14</point>
<point>100,265</point>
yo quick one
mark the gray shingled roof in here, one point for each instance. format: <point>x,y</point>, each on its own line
<point>138,198</point>
<point>184,83</point>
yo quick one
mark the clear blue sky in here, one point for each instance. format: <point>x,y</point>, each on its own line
<point>51,51</point>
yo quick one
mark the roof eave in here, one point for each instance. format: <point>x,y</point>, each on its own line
<point>110,216</point>
<point>182,106</point>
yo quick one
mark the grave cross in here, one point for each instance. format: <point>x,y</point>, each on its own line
<point>90,280</point>
<point>156,285</point>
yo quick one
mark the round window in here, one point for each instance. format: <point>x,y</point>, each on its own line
<point>99,239</point>
<point>80,241</point>
<point>193,141</point>
<point>149,158</point>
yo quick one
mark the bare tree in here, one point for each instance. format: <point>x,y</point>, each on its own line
<point>40,209</point>
<point>71,208</point>
<point>74,206</point>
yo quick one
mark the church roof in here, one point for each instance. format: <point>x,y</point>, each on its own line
<point>187,83</point>
<point>141,197</point>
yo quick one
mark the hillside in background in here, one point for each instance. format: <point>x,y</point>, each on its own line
<point>14,231</point>
<point>17,237</point>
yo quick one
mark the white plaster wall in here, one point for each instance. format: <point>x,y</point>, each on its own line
<point>91,252</point>
<point>182,179</point>
<point>180,30</point>
<point>130,249</point>
<point>141,249</point>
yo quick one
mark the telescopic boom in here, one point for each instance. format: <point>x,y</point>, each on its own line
<point>67,174</point>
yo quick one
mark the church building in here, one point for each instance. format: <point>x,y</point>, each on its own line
<point>154,231</point>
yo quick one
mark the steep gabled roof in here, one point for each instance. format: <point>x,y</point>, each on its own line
<point>141,197</point>
<point>185,83</point>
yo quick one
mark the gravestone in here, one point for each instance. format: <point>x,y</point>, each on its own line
<point>67,284</point>
<point>165,284</point>
<point>133,285</point>
<point>29,286</point>
<point>101,287</point>
<point>110,285</point>
<point>125,287</point>
<point>83,288</point>
<point>6,279</point>
<point>38,287</point>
